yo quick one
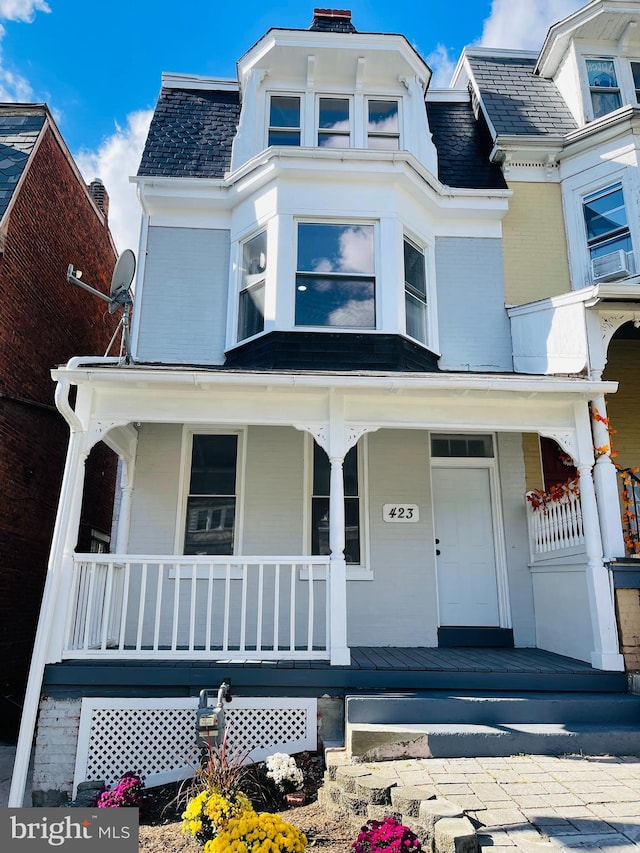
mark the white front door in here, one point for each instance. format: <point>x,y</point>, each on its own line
<point>466,562</point>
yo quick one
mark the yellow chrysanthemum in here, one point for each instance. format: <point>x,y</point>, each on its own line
<point>258,833</point>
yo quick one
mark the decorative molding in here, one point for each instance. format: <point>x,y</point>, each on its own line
<point>353,434</point>
<point>319,432</point>
<point>311,70</point>
<point>567,439</point>
<point>99,429</point>
<point>610,323</point>
<point>360,66</point>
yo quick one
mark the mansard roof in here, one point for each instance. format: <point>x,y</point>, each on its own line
<point>463,144</point>
<point>19,131</point>
<point>517,101</point>
<point>191,133</point>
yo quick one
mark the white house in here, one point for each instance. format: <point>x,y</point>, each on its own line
<point>357,314</point>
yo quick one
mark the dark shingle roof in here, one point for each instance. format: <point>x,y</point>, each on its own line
<point>516,100</point>
<point>191,134</point>
<point>18,135</point>
<point>463,145</point>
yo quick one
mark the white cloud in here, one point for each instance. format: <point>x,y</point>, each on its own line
<point>524,25</point>
<point>514,24</point>
<point>13,86</point>
<point>22,10</point>
<point>116,159</point>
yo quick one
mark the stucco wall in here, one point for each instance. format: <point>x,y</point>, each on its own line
<point>535,267</point>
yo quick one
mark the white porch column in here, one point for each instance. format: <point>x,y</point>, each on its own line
<point>340,654</point>
<point>52,620</point>
<point>121,545</point>
<point>606,653</point>
<point>605,481</point>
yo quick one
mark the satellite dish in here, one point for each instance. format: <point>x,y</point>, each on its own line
<point>122,277</point>
<point>119,297</point>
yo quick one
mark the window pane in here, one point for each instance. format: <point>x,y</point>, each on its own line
<point>335,248</point>
<point>469,446</point>
<point>284,137</point>
<point>352,530</point>
<point>285,111</point>
<point>251,312</point>
<point>622,242</point>
<point>213,465</point>
<point>337,302</point>
<point>414,269</point>
<point>384,143</point>
<point>416,311</point>
<point>210,525</point>
<point>383,116</point>
<point>320,528</point>
<point>254,259</point>
<point>605,214</point>
<point>333,140</point>
<point>605,102</point>
<point>635,70</point>
<point>334,114</point>
<point>602,73</point>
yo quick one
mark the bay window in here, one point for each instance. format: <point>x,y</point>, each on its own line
<point>252,285</point>
<point>211,501</point>
<point>335,278</point>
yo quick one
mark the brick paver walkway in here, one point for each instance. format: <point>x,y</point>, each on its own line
<point>537,802</point>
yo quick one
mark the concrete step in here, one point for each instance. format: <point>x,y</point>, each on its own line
<point>482,708</point>
<point>367,742</point>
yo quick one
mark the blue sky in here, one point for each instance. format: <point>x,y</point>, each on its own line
<point>98,63</point>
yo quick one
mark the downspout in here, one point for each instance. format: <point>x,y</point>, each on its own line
<point>46,619</point>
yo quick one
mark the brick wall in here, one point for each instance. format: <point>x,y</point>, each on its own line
<point>44,322</point>
<point>55,754</point>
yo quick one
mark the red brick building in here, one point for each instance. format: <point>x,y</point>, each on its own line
<point>49,218</point>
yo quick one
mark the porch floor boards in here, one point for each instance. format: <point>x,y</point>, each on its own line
<point>371,668</point>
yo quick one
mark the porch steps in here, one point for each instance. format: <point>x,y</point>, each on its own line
<point>448,725</point>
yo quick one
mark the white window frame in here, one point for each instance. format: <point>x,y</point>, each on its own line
<point>422,249</point>
<point>269,127</point>
<point>361,572</point>
<point>395,99</point>
<point>590,57</point>
<point>343,221</point>
<point>185,476</point>
<point>349,137</point>
<point>600,193</point>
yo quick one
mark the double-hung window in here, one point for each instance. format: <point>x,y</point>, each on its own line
<point>211,502</point>
<point>334,126</point>
<point>320,505</point>
<point>606,223</point>
<point>415,292</point>
<point>383,127</point>
<point>335,278</point>
<point>284,120</point>
<point>603,86</point>
<point>252,284</point>
<point>635,71</point>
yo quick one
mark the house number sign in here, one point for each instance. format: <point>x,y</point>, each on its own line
<point>400,512</point>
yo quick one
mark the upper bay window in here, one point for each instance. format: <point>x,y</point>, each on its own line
<point>335,278</point>
<point>415,292</point>
<point>284,120</point>
<point>251,302</point>
<point>603,85</point>
<point>383,127</point>
<point>334,126</point>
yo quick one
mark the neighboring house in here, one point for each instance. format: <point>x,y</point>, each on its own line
<point>48,218</point>
<point>357,343</point>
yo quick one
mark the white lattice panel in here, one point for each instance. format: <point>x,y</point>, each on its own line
<point>156,737</point>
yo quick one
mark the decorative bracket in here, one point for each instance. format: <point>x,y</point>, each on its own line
<point>567,439</point>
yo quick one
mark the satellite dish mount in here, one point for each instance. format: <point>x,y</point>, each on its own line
<point>119,297</point>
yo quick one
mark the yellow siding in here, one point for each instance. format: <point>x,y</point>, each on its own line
<point>534,244</point>
<point>532,461</point>
<point>623,408</point>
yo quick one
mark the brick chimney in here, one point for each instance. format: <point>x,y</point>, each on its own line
<point>332,20</point>
<point>99,194</point>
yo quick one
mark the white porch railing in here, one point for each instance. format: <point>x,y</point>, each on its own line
<point>556,526</point>
<point>199,607</point>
